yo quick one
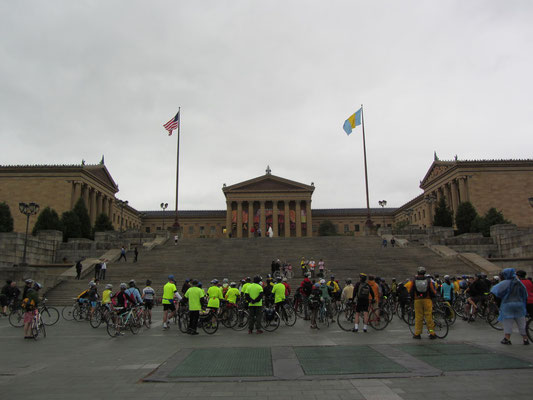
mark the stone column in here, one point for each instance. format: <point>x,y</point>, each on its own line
<point>239,219</point>
<point>92,208</point>
<point>298,218</point>
<point>250,218</point>
<point>85,195</point>
<point>455,196</point>
<point>76,193</point>
<point>287,219</point>
<point>262,219</point>
<point>228,218</point>
<point>463,189</point>
<point>98,203</point>
<point>309,218</point>
<point>110,211</point>
<point>275,217</point>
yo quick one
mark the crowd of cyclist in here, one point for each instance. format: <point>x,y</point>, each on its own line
<point>511,291</point>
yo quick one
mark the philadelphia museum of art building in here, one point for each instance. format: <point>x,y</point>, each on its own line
<point>272,202</point>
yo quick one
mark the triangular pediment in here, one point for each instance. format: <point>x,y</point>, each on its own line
<point>268,183</point>
<point>101,173</point>
<point>437,169</point>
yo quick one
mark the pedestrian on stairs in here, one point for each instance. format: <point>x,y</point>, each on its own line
<point>122,254</point>
<point>136,254</point>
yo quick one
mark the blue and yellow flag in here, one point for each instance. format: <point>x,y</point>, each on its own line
<point>353,121</point>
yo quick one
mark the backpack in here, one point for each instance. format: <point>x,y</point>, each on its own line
<point>307,288</point>
<point>421,287</point>
<point>364,291</point>
<point>28,305</point>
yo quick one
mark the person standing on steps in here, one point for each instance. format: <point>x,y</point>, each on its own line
<point>176,239</point>
<point>136,254</point>
<point>78,269</point>
<point>103,269</point>
<point>122,254</point>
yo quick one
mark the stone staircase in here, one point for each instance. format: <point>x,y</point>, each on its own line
<point>205,259</point>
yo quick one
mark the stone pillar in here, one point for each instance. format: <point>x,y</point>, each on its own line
<point>250,218</point>
<point>228,218</point>
<point>275,217</point>
<point>239,219</point>
<point>92,208</point>
<point>85,195</point>
<point>309,218</point>
<point>98,203</point>
<point>298,218</point>
<point>262,219</point>
<point>110,211</point>
<point>455,196</point>
<point>287,219</point>
<point>76,193</point>
<point>463,190</point>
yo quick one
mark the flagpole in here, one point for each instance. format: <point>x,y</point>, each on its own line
<point>176,222</point>
<point>368,220</point>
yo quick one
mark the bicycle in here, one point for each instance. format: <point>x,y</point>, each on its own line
<point>378,319</point>
<point>324,314</point>
<point>270,319</point>
<point>287,314</point>
<point>228,314</point>
<point>37,326</point>
<point>122,321</point>
<point>446,308</point>
<point>529,328</point>
<point>440,321</point>
<point>208,321</point>
<point>101,314</point>
<point>50,315</point>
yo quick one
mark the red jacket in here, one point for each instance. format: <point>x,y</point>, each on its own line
<point>529,286</point>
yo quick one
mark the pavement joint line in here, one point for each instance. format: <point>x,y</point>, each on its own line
<point>406,360</point>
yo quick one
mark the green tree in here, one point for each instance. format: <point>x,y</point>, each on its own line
<point>47,219</point>
<point>327,228</point>
<point>466,214</point>
<point>85,220</point>
<point>6,220</point>
<point>443,215</point>
<point>103,223</point>
<point>71,225</point>
<point>400,225</point>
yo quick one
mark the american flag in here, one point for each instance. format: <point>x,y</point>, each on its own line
<point>172,124</point>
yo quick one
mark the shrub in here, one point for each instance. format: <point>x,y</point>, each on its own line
<point>327,228</point>
<point>85,221</point>
<point>47,219</point>
<point>6,219</point>
<point>466,214</point>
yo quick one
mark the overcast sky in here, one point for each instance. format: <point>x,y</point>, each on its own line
<point>265,83</point>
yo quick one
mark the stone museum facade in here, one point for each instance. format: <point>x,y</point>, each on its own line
<point>270,201</point>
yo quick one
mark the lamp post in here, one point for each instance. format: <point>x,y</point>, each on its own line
<point>164,207</point>
<point>122,204</point>
<point>27,210</point>
<point>383,203</point>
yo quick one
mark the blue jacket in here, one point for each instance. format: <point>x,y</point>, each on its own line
<point>513,294</point>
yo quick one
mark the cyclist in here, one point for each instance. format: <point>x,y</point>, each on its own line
<point>513,306</point>
<point>278,290</point>
<point>232,294</point>
<point>10,294</point>
<point>529,287</point>
<point>476,293</point>
<point>248,282</point>
<point>254,294</point>
<point>305,290</point>
<point>134,292</point>
<point>106,296</point>
<point>225,286</point>
<point>287,287</point>
<point>30,304</point>
<point>28,285</point>
<point>303,266</point>
<point>214,293</point>
<point>92,296</point>
<point>447,293</point>
<point>123,303</point>
<point>394,288</point>
<point>375,288</point>
<point>321,267</point>
<point>148,300</point>
<point>335,290</point>
<point>327,296</point>
<point>422,291</point>
<point>312,265</point>
<point>363,294</point>
<point>168,300</point>
<point>347,292</point>
<point>315,300</point>
<point>194,294</point>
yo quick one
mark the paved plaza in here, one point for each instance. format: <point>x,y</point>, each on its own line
<point>77,361</point>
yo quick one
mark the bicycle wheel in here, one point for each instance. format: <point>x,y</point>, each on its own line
<point>378,319</point>
<point>451,315</point>
<point>16,318</point>
<point>441,324</point>
<point>299,308</point>
<point>96,318</point>
<point>529,329</point>
<point>183,322</point>
<point>242,320</point>
<point>210,324</point>
<point>50,315</point>
<point>346,319</point>
<point>134,324</point>
<point>270,324</point>
<point>67,313</point>
<point>34,328</point>
<point>229,318</point>
<point>289,315</point>
<point>492,317</point>
<point>42,327</point>
<point>409,317</point>
<point>79,313</point>
<point>112,326</point>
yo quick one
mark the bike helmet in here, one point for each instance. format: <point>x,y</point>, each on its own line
<point>37,286</point>
<point>92,284</point>
<point>233,284</point>
<point>132,283</point>
<point>257,279</point>
<point>109,286</point>
<point>171,277</point>
<point>123,285</point>
<point>317,285</point>
<point>348,281</point>
<point>278,279</point>
<point>322,281</point>
<point>284,279</point>
<point>214,281</point>
<point>496,277</point>
<point>521,273</point>
<point>421,270</point>
<point>446,277</point>
<point>28,281</point>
